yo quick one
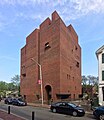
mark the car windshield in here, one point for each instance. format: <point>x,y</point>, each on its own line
<point>72,105</point>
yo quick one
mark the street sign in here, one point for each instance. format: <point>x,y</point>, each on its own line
<point>39,82</point>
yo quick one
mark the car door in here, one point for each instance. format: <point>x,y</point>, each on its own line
<point>14,102</point>
<point>67,108</point>
<point>71,110</point>
<point>63,108</point>
<point>59,108</point>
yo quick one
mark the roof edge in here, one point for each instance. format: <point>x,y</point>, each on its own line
<point>99,50</point>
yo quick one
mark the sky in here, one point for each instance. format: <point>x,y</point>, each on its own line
<point>18,18</point>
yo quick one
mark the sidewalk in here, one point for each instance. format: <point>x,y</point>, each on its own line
<point>39,105</point>
<point>5,116</point>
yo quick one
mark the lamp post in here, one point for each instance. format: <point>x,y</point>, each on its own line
<point>40,70</point>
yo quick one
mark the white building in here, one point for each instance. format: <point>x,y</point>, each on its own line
<point>100,57</point>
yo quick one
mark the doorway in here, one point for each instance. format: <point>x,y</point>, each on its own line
<point>48,93</point>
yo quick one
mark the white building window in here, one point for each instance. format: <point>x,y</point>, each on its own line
<point>103,75</point>
<point>103,58</point>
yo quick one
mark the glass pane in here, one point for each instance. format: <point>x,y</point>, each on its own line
<point>102,75</point>
<point>103,58</point>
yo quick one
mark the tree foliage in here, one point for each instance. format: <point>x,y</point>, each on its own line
<point>90,85</point>
<point>16,80</point>
<point>3,86</point>
<point>89,80</point>
<point>13,86</point>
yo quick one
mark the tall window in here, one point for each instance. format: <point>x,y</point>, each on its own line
<point>103,95</point>
<point>103,58</point>
<point>77,64</point>
<point>103,92</point>
<point>103,75</point>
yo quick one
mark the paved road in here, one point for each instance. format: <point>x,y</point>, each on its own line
<point>42,113</point>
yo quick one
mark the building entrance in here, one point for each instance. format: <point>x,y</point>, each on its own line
<point>48,93</point>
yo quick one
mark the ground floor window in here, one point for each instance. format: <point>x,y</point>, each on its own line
<point>103,93</point>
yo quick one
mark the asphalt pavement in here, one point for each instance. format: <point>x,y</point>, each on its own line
<point>5,116</point>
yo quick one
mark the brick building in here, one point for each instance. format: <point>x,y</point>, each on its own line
<point>55,47</point>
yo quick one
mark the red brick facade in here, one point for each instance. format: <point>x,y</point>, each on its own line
<point>56,48</point>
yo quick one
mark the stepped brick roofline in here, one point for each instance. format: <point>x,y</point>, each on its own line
<point>54,16</point>
<point>73,33</point>
<point>48,21</point>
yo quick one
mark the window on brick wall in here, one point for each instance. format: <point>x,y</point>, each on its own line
<point>77,64</point>
<point>72,50</point>
<point>68,76</point>
<point>23,71</point>
<point>24,75</point>
<point>103,58</point>
<point>47,46</point>
<point>76,48</point>
<point>73,78</point>
<point>70,67</point>
<point>103,75</point>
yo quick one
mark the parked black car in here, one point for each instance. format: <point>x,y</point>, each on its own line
<point>8,100</point>
<point>99,112</point>
<point>18,102</point>
<point>67,108</point>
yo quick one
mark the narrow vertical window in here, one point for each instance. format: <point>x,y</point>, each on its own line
<point>103,75</point>
<point>76,48</point>
<point>103,92</point>
<point>73,78</point>
<point>103,58</point>
<point>77,64</point>
<point>67,76</point>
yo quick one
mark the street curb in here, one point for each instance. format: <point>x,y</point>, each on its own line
<point>38,105</point>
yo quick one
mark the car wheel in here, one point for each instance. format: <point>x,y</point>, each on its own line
<point>74,113</point>
<point>54,110</point>
<point>101,117</point>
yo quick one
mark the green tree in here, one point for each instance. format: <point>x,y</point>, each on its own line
<point>88,83</point>
<point>84,80</point>
<point>3,88</point>
<point>92,80</point>
<point>11,87</point>
<point>16,80</point>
